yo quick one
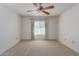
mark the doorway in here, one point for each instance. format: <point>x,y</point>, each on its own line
<point>39,30</point>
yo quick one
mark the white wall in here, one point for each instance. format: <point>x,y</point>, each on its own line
<point>9,28</point>
<point>69,28</point>
<point>52,24</point>
<point>51,30</point>
<point>26,28</point>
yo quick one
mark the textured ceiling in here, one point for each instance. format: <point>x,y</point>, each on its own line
<point>21,8</point>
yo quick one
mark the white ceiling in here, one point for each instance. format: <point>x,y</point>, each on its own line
<point>21,8</point>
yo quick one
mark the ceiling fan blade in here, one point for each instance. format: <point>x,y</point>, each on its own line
<point>49,7</point>
<point>29,10</point>
<point>32,10</point>
<point>44,11</point>
<point>35,4</point>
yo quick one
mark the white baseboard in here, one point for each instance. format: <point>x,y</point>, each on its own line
<point>52,39</point>
<point>25,39</point>
<point>10,47</point>
<point>68,46</point>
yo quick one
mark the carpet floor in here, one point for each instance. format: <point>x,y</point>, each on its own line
<point>39,48</point>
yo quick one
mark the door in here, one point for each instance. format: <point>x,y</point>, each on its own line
<point>39,29</point>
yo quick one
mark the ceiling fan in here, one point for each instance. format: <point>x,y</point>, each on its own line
<point>41,8</point>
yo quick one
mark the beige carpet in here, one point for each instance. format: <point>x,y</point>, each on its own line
<point>39,48</point>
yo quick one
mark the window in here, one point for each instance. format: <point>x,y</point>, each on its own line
<point>39,28</point>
